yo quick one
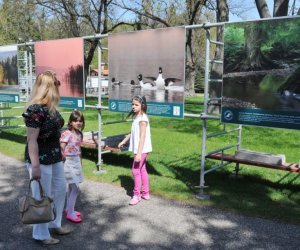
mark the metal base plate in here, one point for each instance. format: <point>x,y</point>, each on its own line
<point>202,197</point>
<point>99,171</point>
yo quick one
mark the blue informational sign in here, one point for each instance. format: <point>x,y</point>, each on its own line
<point>149,63</point>
<point>261,117</point>
<point>261,85</point>
<point>71,102</point>
<point>14,98</point>
<point>153,108</point>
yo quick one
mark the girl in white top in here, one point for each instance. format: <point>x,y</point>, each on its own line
<point>140,144</point>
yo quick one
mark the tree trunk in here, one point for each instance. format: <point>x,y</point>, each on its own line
<point>255,60</point>
<point>263,9</point>
<point>215,88</point>
<point>190,64</point>
<point>281,8</point>
<point>190,68</point>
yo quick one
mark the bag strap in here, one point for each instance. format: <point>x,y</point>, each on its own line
<point>40,185</point>
<point>42,195</point>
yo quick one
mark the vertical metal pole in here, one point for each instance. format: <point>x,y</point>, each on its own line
<point>201,195</point>
<point>237,166</point>
<point>30,72</point>
<point>206,75</point>
<point>1,113</point>
<point>26,74</point>
<point>99,170</point>
<point>202,181</point>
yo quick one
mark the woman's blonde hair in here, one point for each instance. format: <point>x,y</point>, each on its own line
<point>45,91</point>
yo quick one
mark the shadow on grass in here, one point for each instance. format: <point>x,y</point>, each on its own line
<point>185,169</point>
<point>11,136</point>
<point>289,178</point>
<point>114,159</point>
<point>252,188</point>
<point>253,193</point>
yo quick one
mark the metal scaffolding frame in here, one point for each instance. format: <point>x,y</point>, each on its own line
<point>205,116</point>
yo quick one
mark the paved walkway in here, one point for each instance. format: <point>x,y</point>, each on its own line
<point>110,223</point>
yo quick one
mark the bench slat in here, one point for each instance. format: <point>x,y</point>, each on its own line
<point>291,167</point>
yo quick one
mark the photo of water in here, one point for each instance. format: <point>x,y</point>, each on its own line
<point>261,80</point>
<point>144,63</point>
<point>126,92</point>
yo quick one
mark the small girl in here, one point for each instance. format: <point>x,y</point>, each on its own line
<point>140,144</point>
<point>70,141</point>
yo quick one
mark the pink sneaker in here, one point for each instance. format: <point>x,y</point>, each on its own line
<point>135,200</point>
<point>75,220</point>
<point>146,196</point>
<point>76,212</point>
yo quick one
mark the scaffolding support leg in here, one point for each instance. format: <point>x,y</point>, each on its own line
<point>201,195</point>
<point>99,170</point>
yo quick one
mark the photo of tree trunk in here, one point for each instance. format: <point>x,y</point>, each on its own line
<point>9,70</point>
<point>262,67</point>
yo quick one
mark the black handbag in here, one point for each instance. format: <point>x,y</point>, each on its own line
<point>35,211</point>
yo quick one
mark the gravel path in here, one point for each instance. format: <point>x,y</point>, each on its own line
<point>110,223</point>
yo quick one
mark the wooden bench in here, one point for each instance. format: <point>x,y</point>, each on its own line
<point>291,167</point>
<point>90,139</point>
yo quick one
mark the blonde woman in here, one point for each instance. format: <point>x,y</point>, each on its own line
<point>42,153</point>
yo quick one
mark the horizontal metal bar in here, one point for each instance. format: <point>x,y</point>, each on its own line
<point>10,117</point>
<point>215,99</point>
<point>26,43</point>
<point>96,36</point>
<point>216,167</point>
<point>216,61</point>
<point>9,127</point>
<point>97,107</point>
<point>192,115</point>
<point>105,152</point>
<point>215,80</point>
<point>210,25</point>
<point>223,149</point>
<point>216,42</point>
<point>204,25</point>
<point>17,107</point>
<point>205,116</point>
<point>113,122</point>
<point>222,133</point>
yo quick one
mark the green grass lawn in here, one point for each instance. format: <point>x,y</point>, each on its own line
<point>174,164</point>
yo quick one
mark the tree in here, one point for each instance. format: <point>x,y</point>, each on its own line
<point>217,69</point>
<point>19,21</point>
<point>79,18</point>
<point>158,14</point>
<point>254,37</point>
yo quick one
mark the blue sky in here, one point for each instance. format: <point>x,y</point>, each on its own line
<point>249,9</point>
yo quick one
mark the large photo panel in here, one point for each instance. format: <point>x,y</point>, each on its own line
<point>148,63</point>
<point>9,86</point>
<point>65,58</point>
<point>261,81</point>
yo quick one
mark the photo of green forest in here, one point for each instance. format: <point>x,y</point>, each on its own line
<point>262,65</point>
<point>8,69</point>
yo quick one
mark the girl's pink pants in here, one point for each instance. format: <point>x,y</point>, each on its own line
<point>140,175</point>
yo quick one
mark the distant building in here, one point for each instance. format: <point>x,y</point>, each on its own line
<point>94,72</point>
<point>92,81</point>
